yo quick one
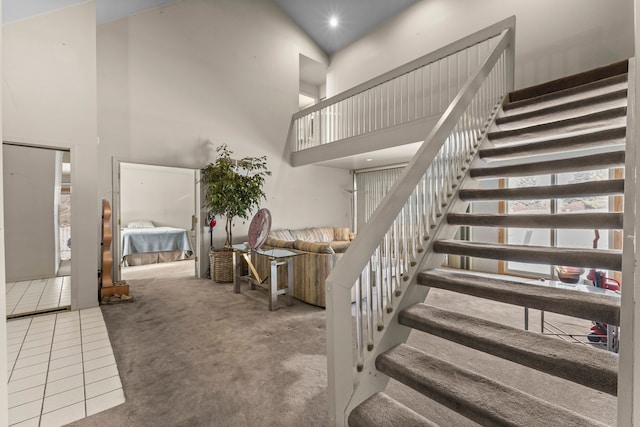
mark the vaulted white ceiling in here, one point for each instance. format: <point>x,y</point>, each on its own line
<point>356,17</point>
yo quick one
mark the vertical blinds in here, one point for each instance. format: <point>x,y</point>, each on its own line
<point>371,187</point>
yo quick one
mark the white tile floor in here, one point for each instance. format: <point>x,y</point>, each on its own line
<point>32,296</point>
<point>61,368</point>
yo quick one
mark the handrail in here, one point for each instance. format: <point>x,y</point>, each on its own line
<point>391,244</point>
<point>417,90</point>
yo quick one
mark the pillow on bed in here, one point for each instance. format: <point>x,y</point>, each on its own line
<point>141,223</point>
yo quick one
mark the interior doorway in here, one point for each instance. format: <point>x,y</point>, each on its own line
<point>157,210</point>
<point>37,213</point>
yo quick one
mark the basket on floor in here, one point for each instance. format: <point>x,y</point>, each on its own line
<point>221,265</point>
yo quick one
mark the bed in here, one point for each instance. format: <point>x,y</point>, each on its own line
<point>144,243</point>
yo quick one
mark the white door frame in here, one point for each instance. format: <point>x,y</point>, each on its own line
<point>115,215</point>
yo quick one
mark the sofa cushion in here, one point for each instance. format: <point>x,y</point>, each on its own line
<point>282,235</point>
<point>302,234</point>
<point>322,234</point>
<point>319,247</point>
<point>341,233</point>
<point>277,243</point>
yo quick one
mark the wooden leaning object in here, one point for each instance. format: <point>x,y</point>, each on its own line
<point>107,287</point>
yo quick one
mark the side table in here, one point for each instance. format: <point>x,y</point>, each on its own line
<point>277,257</point>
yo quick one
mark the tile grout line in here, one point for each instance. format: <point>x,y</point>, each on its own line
<point>21,296</point>
<point>58,305</point>
<point>84,385</point>
<point>65,284</point>
<point>20,349</point>
<point>30,288</point>
<point>60,294</point>
<point>42,293</point>
<point>46,377</point>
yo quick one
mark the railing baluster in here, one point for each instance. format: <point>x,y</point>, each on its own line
<point>449,72</point>
<point>349,122</point>
<point>359,113</point>
<point>389,262</point>
<point>359,326</point>
<point>402,98</point>
<point>429,84</point>
<point>416,75</point>
<point>413,203</point>
<point>404,237</point>
<point>370,305</point>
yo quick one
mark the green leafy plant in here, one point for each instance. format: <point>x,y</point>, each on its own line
<point>233,188</point>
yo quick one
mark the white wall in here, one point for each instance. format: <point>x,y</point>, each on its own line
<point>49,88</point>
<point>553,38</point>
<point>178,81</point>
<point>29,212</point>
<point>161,194</point>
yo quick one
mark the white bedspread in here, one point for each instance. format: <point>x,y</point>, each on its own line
<point>155,239</point>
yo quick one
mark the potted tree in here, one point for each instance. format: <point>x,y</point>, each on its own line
<point>232,188</point>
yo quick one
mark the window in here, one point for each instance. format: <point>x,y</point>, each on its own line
<point>553,237</point>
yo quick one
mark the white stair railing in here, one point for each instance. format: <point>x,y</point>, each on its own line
<point>420,89</point>
<point>384,258</point>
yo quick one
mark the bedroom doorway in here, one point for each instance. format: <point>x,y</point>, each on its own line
<point>37,215</point>
<point>157,209</point>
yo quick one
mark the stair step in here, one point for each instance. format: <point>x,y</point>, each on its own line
<point>590,367</point>
<point>601,220</point>
<point>573,164</point>
<point>579,79</point>
<point>588,140</point>
<point>382,410</point>
<point>566,107</point>
<point>598,85</point>
<point>594,306</point>
<point>475,396</point>
<point>581,189</point>
<point>605,259</point>
<point>580,123</point>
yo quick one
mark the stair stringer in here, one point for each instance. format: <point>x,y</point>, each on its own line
<point>628,367</point>
<point>369,379</point>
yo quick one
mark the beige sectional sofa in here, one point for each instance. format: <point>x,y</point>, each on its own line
<point>319,247</point>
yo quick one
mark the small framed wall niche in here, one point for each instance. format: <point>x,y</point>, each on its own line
<point>37,215</point>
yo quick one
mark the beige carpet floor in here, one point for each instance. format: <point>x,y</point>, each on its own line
<point>193,353</point>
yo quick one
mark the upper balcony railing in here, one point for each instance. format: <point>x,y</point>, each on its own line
<point>420,89</point>
<point>394,245</point>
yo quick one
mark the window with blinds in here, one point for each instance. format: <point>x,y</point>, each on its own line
<point>370,188</point>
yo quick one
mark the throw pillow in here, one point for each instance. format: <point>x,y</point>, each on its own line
<point>341,233</point>
<point>141,223</point>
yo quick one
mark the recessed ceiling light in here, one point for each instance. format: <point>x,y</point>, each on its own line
<point>333,21</point>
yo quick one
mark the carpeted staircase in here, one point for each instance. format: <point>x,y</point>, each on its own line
<point>577,123</point>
